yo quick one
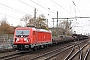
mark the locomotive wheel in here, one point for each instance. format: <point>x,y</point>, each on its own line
<point>35,48</point>
<point>42,46</point>
<point>47,46</point>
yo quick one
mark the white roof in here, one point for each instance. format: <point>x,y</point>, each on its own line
<point>43,30</point>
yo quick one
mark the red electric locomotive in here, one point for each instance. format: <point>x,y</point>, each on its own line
<point>27,38</point>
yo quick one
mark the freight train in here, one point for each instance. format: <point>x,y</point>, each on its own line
<point>30,38</point>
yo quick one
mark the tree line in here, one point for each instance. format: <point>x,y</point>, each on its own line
<point>39,22</point>
<point>6,28</point>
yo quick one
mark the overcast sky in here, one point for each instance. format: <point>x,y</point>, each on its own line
<point>13,10</point>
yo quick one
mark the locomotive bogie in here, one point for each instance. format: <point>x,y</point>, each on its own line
<point>21,47</point>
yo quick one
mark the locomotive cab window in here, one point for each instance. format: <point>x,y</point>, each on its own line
<point>22,32</point>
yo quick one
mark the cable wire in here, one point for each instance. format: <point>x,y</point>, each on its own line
<point>76,6</point>
<point>9,16</point>
<point>12,8</point>
<point>61,6</point>
<point>26,4</point>
<point>42,6</point>
<point>32,6</point>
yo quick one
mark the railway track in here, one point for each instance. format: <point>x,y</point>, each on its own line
<point>51,54</point>
<point>10,56</point>
<point>78,53</point>
<point>6,50</point>
<point>87,54</point>
<point>45,56</point>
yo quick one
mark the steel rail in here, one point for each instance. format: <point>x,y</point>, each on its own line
<point>11,56</point>
<point>49,52</point>
<point>66,58</point>
<point>86,55</point>
<point>55,50</point>
<point>77,52</point>
<point>8,55</point>
<point>57,53</point>
<point>69,54</point>
<point>80,56</point>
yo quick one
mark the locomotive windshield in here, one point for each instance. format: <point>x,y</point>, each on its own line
<point>22,32</point>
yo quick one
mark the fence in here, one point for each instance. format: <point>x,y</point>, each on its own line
<point>6,41</point>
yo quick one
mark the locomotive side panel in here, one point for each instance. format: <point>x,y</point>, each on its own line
<point>39,37</point>
<point>33,39</point>
<point>49,38</point>
<point>44,37</point>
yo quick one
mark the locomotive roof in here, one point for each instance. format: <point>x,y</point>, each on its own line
<point>42,30</point>
<point>22,27</point>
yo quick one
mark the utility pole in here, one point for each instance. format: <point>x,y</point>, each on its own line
<point>5,25</point>
<point>74,9</point>
<point>57,22</point>
<point>47,22</point>
<point>67,27</point>
<point>62,20</point>
<point>53,23</point>
<point>35,17</point>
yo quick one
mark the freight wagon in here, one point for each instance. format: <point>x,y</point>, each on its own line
<point>62,38</point>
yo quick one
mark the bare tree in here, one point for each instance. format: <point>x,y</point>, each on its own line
<point>40,21</point>
<point>31,22</point>
<point>26,18</point>
<point>5,27</point>
<point>65,27</point>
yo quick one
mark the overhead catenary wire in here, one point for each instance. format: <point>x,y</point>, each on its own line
<point>12,8</point>
<point>76,6</point>
<point>61,7</point>
<point>15,10</point>
<point>48,7</point>
<point>56,6</point>
<point>33,7</point>
<point>9,16</point>
<point>26,4</point>
<point>42,6</point>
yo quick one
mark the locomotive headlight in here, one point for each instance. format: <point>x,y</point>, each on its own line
<point>25,39</point>
<point>17,39</point>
